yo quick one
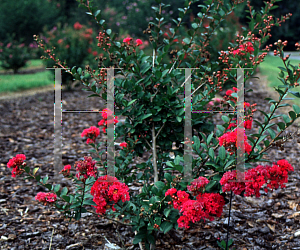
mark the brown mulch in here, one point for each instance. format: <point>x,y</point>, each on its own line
<point>269,222</point>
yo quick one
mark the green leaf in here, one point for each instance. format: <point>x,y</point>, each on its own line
<point>293,115</point>
<point>179,119</point>
<point>38,177</point>
<point>78,216</point>
<point>145,116</point>
<point>168,177</point>
<point>272,133</point>
<point>166,226</point>
<point>297,94</point>
<point>281,125</point>
<point>160,184</point>
<point>260,139</point>
<point>45,179</point>
<point>195,25</point>
<point>228,164</point>
<point>49,186</point>
<point>64,191</point>
<point>222,153</point>
<point>225,118</point>
<point>66,198</point>
<point>209,186</point>
<point>76,204</point>
<point>167,211</point>
<point>186,40</point>
<point>286,118</point>
<point>35,170</point>
<point>56,188</point>
<point>209,138</point>
<point>296,109</point>
<point>89,202</point>
<point>27,170</point>
<point>211,153</point>
<point>132,101</point>
<point>97,13</point>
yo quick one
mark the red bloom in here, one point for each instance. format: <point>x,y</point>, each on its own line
<point>138,42</point>
<point>46,197</point>
<point>127,40</point>
<point>89,50</point>
<point>60,41</point>
<point>16,163</point>
<point>229,139</point>
<point>95,53</point>
<point>123,144</point>
<point>66,170</point>
<point>107,190</point>
<point>198,185</point>
<point>91,133</point>
<point>77,26</point>
<point>105,113</point>
<point>86,168</point>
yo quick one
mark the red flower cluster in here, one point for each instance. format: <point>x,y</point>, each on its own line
<point>248,47</point>
<point>274,177</point>
<point>249,109</point>
<point>137,41</point>
<point>46,197</point>
<point>197,186</point>
<point>229,141</point>
<point>123,144</point>
<point>107,191</point>
<point>204,207</point>
<point>66,170</point>
<point>107,113</point>
<point>228,94</point>
<point>77,26</point>
<point>92,133</point>
<point>86,168</point>
<point>16,163</point>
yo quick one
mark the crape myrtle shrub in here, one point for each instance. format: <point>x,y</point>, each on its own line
<point>149,94</point>
<point>287,31</point>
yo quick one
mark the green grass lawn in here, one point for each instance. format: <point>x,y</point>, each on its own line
<point>270,69</point>
<point>19,82</point>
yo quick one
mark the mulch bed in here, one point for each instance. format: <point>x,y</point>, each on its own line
<point>27,126</point>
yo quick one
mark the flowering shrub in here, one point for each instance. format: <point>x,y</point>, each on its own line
<point>147,94</point>
<point>13,55</point>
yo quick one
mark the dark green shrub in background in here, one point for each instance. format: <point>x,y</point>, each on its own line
<point>13,55</point>
<point>72,45</point>
<point>25,18</point>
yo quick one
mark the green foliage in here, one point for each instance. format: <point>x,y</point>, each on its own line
<point>72,46</point>
<point>13,55</point>
<point>25,18</point>
<point>150,94</point>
